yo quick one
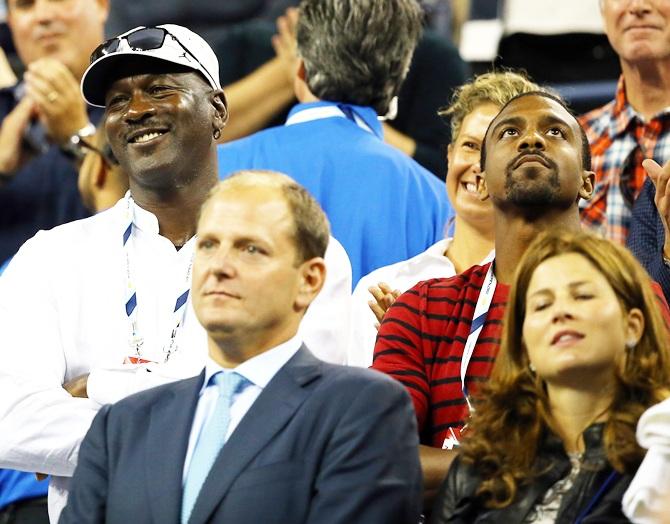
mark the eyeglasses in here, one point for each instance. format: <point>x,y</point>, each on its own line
<point>144,39</point>
<point>105,153</point>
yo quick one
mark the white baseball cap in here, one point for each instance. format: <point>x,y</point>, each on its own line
<point>129,52</point>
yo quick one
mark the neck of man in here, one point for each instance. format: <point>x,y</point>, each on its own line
<point>229,351</point>
<point>516,229</point>
<point>176,208</point>
<point>647,86</point>
<point>574,407</point>
<point>470,244</point>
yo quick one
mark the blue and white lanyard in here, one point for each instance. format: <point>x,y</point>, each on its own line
<point>481,311</point>
<point>319,112</point>
<point>135,340</point>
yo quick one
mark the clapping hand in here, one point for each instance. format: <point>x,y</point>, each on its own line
<point>384,297</point>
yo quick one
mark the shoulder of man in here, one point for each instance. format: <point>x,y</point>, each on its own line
<point>346,382</point>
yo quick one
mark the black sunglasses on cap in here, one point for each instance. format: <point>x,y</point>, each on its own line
<point>144,39</point>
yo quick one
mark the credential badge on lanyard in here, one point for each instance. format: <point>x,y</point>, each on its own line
<point>478,318</point>
<point>135,340</point>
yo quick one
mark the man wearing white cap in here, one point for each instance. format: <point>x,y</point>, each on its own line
<point>97,309</point>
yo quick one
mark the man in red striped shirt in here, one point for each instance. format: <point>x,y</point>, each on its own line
<point>535,168</point>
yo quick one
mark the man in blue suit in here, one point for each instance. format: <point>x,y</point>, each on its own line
<point>267,432</point>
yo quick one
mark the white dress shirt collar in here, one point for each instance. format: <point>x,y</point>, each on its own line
<point>142,219</point>
<point>260,369</point>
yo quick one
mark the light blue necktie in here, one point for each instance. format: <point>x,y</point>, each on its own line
<point>211,439</point>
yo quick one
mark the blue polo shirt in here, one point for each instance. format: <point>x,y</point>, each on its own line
<point>18,485</point>
<point>382,205</point>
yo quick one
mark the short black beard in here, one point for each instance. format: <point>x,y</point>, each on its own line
<point>527,194</point>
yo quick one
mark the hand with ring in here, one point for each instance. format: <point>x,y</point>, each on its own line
<point>60,106</point>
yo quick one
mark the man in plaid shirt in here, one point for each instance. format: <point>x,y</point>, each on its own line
<point>632,127</point>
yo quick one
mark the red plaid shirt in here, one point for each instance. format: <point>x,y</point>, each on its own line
<point>620,139</point>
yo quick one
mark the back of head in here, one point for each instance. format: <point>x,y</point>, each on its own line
<point>496,88</point>
<point>358,51</point>
<point>312,230</point>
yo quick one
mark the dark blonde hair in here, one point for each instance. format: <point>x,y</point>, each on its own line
<point>497,87</point>
<point>512,410</point>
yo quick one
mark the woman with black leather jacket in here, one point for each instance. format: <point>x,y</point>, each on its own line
<point>584,354</point>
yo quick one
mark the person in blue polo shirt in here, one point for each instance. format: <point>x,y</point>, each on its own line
<point>383,206</point>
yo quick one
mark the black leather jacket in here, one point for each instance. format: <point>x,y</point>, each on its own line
<point>457,502</point>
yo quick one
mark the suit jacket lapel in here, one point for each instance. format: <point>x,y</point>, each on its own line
<point>271,411</point>
<point>167,440</point>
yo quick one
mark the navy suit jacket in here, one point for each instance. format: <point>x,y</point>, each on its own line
<point>321,444</point>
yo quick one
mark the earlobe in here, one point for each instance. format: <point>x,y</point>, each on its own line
<point>221,108</point>
<point>313,276</point>
<point>634,327</point>
<point>221,113</point>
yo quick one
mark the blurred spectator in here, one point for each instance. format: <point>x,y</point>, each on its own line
<point>382,205</point>
<point>633,126</point>
<point>44,117</point>
<point>583,354</point>
<point>472,109</point>
<point>102,182</point>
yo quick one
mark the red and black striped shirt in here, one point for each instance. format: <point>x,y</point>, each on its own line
<point>421,342</point>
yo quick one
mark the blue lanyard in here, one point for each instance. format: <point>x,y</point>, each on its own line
<point>135,340</point>
<point>478,318</point>
<point>597,497</point>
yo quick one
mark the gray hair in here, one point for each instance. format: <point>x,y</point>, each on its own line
<point>358,51</point>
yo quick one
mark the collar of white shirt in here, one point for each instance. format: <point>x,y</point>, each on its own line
<point>260,369</point>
